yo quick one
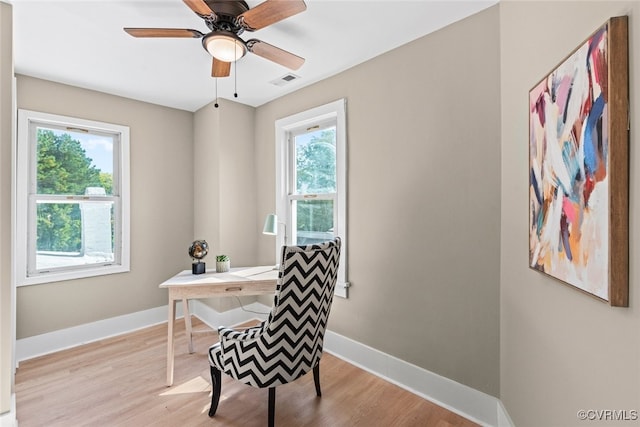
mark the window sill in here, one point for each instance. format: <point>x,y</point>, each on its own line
<point>72,275</point>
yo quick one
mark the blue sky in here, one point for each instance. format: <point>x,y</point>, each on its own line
<point>97,147</point>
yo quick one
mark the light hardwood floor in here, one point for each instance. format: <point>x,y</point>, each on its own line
<point>121,382</point>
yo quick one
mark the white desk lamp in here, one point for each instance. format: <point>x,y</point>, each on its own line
<point>271,228</point>
<point>270,225</point>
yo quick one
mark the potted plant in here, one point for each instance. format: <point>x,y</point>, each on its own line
<point>222,263</point>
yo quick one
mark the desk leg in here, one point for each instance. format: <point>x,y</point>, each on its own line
<point>170,325</point>
<point>187,324</point>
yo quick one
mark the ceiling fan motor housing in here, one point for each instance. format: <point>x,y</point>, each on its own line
<point>227,13</point>
<point>223,42</point>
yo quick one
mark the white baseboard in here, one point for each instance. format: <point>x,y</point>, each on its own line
<point>504,420</point>
<point>39,345</point>
<point>214,319</point>
<point>8,419</point>
<point>475,405</point>
<point>459,398</point>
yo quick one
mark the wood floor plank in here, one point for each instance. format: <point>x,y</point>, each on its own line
<point>121,382</point>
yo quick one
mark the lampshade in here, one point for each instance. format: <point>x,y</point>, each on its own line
<point>224,46</point>
<point>270,224</point>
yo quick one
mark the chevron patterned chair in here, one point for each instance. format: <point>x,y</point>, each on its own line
<point>289,343</point>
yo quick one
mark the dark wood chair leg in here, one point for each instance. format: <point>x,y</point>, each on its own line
<point>316,379</point>
<point>272,406</point>
<point>216,379</point>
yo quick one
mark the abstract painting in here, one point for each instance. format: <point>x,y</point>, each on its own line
<point>578,167</point>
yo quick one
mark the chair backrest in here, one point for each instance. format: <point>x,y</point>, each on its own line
<point>302,303</point>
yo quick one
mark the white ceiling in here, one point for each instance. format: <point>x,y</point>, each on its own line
<point>81,43</point>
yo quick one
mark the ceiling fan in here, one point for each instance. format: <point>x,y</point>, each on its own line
<point>227,19</point>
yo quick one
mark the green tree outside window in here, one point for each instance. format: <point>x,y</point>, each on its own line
<point>63,168</point>
<point>316,174</point>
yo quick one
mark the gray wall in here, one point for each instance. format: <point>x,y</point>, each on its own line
<point>161,151</point>
<point>423,200</point>
<point>224,183</point>
<point>6,312</point>
<point>561,350</point>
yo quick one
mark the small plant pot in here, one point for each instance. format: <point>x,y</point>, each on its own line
<point>223,266</point>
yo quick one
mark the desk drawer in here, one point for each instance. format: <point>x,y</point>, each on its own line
<point>227,289</point>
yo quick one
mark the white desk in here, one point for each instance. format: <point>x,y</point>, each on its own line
<point>183,286</point>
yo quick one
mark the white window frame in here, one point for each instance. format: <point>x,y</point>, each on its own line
<point>285,129</point>
<point>24,174</point>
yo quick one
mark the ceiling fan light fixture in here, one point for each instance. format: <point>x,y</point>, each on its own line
<point>224,46</point>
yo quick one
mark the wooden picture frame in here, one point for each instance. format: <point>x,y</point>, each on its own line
<point>579,167</point>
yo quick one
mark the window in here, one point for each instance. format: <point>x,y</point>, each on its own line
<point>72,199</point>
<point>311,179</point>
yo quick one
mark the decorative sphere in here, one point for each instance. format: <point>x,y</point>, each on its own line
<point>198,249</point>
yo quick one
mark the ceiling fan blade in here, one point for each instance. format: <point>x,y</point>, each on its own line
<point>220,68</point>
<point>164,32</point>
<point>275,54</point>
<point>269,12</point>
<point>201,8</point>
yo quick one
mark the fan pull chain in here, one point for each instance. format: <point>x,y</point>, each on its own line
<point>235,74</point>
<point>216,104</point>
<point>235,77</point>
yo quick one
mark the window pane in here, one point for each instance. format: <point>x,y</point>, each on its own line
<point>70,162</point>
<point>314,219</point>
<point>316,161</point>
<point>70,234</point>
